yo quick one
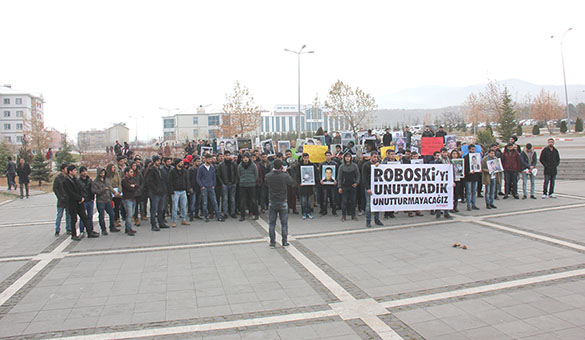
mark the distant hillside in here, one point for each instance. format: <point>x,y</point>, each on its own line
<point>432,97</point>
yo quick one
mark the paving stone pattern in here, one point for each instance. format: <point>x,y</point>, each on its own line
<point>120,284</point>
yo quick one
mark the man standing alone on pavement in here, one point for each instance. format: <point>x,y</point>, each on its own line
<point>277,181</point>
<point>11,173</point>
<point>23,171</point>
<point>550,159</point>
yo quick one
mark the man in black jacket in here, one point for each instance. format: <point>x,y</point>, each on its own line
<point>84,183</point>
<point>471,178</point>
<point>75,204</point>
<point>195,202</point>
<point>550,159</point>
<point>179,184</point>
<point>157,191</point>
<point>23,171</point>
<point>277,181</point>
<point>441,132</point>
<point>328,184</point>
<point>387,138</point>
<point>61,200</point>
<point>227,176</point>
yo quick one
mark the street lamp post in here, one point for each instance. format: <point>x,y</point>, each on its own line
<point>136,118</point>
<point>298,53</point>
<point>565,81</point>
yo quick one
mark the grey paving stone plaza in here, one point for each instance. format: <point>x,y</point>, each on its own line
<point>522,277</point>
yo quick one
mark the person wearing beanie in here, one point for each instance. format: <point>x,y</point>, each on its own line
<point>75,204</point>
<point>247,177</point>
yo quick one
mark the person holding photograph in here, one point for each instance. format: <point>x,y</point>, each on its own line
<point>328,183</point>
<point>443,159</point>
<point>511,164</point>
<point>458,190</point>
<point>306,191</point>
<point>471,177</point>
<point>489,179</point>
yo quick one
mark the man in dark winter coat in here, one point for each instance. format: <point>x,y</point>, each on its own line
<point>23,171</point>
<point>550,159</point>
<point>156,188</point>
<point>179,183</point>
<point>11,173</point>
<point>306,190</point>
<point>61,200</point>
<point>75,204</point>
<point>441,132</point>
<point>227,175</point>
<point>387,138</point>
<point>277,181</point>
<point>511,164</point>
<point>84,183</point>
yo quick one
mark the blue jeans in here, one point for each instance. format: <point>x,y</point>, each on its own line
<point>525,178</point>
<point>179,197</point>
<point>11,182</point>
<point>194,204</point>
<point>274,209</point>
<point>490,192</point>
<point>60,211</point>
<point>471,192</point>
<point>157,210</point>
<point>207,195</point>
<point>549,184</point>
<point>129,205</point>
<point>107,208</point>
<point>88,207</point>
<point>229,192</point>
<point>369,210</point>
<point>306,204</point>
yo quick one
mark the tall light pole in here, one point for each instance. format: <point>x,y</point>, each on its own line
<point>136,118</point>
<point>565,81</point>
<point>298,53</point>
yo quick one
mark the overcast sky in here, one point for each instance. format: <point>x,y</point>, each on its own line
<point>102,62</point>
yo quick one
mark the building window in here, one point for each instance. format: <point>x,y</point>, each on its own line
<point>6,114</point>
<point>18,101</point>
<point>18,126</point>
<point>6,126</point>
<point>277,127</point>
<point>6,101</point>
<point>213,120</point>
<point>195,133</point>
<point>195,121</point>
<point>18,113</point>
<point>19,139</point>
<point>169,123</point>
<point>8,139</point>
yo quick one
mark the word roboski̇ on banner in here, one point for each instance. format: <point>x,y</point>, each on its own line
<point>410,187</point>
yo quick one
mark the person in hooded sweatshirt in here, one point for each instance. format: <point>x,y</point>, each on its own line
<point>248,175</point>
<point>84,183</point>
<point>348,178</point>
<point>104,195</point>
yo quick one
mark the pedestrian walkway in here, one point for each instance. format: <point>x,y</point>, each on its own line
<point>521,276</point>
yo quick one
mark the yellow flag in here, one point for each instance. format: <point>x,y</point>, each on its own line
<point>316,152</point>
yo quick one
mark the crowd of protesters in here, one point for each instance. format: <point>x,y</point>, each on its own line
<point>222,185</point>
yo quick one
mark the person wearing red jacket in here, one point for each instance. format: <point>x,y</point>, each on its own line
<point>512,166</point>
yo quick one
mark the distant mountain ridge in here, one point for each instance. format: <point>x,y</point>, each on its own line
<point>434,97</point>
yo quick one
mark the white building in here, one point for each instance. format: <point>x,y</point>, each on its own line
<point>97,140</point>
<point>199,123</point>
<point>15,106</point>
<point>284,119</point>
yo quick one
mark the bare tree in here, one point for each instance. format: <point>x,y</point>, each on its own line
<point>545,107</point>
<point>35,131</point>
<point>474,109</point>
<point>241,115</point>
<point>354,106</point>
<point>452,118</point>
